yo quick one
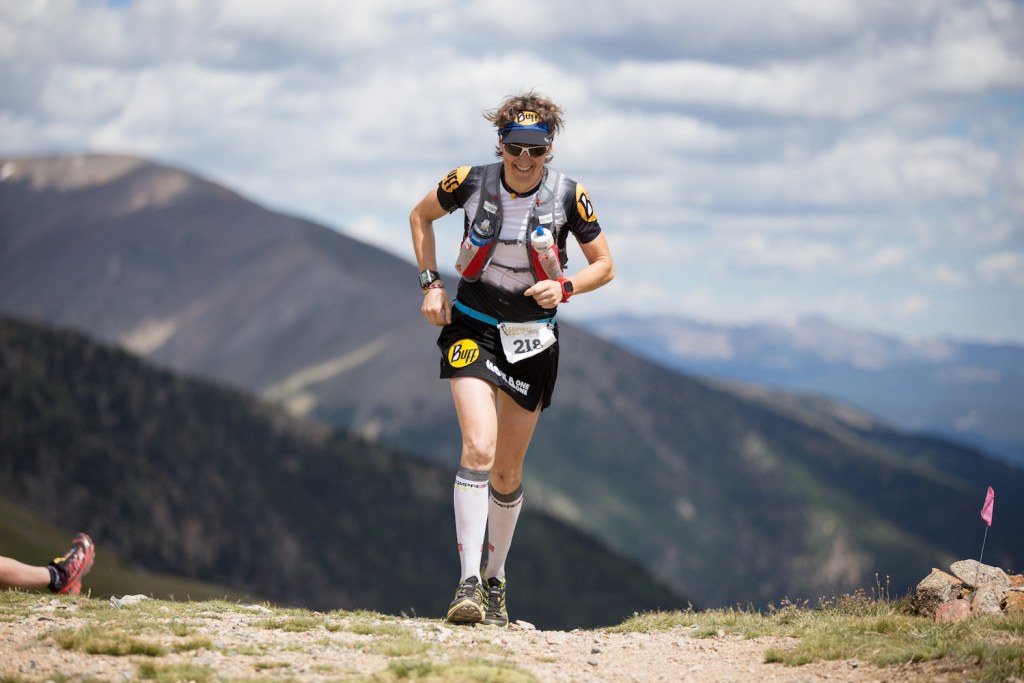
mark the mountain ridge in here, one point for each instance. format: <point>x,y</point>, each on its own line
<point>962,390</point>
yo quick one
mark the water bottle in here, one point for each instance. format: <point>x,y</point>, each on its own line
<point>479,235</point>
<point>544,246</point>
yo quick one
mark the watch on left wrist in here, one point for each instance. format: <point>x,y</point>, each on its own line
<point>427,277</point>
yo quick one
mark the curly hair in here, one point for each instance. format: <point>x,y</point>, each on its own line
<point>503,115</point>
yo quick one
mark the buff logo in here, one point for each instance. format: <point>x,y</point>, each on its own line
<point>452,181</point>
<point>463,353</point>
<point>527,118</point>
<point>583,204</point>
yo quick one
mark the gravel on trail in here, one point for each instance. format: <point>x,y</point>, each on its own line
<point>244,642</point>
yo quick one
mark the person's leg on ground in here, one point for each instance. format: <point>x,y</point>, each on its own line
<point>515,431</point>
<point>62,575</point>
<point>475,405</point>
<point>14,574</point>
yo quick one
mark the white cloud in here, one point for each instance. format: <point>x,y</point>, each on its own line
<point>912,306</point>
<point>884,167</point>
<point>1003,267</point>
<point>946,276</point>
<point>888,257</point>
<point>971,51</point>
<point>775,159</point>
<point>757,252</point>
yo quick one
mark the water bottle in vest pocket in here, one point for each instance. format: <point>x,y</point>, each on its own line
<point>546,264</point>
<point>472,255</point>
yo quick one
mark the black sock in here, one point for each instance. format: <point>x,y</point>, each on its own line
<point>55,578</point>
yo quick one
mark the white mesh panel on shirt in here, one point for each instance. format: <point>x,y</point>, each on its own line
<point>514,224</point>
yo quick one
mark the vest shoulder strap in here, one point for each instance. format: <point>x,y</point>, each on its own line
<point>490,195</point>
<point>489,208</point>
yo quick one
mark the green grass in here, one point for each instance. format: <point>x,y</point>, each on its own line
<point>880,631</point>
<point>294,624</point>
<point>99,640</point>
<point>464,671</point>
<point>175,673</point>
<point>369,628</point>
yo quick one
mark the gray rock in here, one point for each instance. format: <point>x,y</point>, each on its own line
<point>987,599</point>
<point>975,574</point>
<point>935,589</point>
<point>126,601</point>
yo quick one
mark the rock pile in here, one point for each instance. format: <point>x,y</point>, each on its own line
<point>972,588</point>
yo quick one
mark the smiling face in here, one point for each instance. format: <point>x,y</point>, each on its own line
<point>523,172</point>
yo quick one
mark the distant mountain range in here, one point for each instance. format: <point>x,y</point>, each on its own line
<point>969,392</point>
<point>186,478</point>
<point>729,495</point>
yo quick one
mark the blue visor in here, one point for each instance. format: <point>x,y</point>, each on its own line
<point>527,129</point>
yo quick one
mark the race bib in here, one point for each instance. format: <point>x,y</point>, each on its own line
<point>522,340</point>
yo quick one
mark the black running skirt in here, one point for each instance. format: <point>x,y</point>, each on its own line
<point>471,348</point>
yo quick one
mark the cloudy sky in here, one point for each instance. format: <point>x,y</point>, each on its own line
<point>749,160</point>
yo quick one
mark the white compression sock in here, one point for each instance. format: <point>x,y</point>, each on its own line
<point>470,518</point>
<point>501,525</point>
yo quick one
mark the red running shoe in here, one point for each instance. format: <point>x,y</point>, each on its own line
<point>75,564</point>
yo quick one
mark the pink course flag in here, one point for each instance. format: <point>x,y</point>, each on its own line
<point>986,509</point>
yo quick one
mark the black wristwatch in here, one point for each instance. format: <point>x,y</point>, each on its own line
<point>428,276</point>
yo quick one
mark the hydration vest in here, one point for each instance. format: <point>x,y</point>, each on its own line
<point>542,213</point>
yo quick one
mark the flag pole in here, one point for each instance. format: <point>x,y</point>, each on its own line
<point>986,515</point>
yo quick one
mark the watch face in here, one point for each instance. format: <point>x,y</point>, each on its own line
<point>428,276</point>
<point>567,286</point>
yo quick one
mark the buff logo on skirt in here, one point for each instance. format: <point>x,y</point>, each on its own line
<point>463,353</point>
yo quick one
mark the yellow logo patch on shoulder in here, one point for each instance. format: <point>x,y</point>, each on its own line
<point>583,204</point>
<point>462,353</point>
<point>454,179</point>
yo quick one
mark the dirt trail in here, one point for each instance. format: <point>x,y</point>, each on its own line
<point>251,642</point>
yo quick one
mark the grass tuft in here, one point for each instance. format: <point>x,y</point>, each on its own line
<point>405,646</point>
<point>175,673</point>
<point>371,629</point>
<point>465,671</point>
<point>296,624</point>
<point>97,640</point>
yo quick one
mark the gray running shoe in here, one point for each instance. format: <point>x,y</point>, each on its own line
<point>468,605</point>
<point>495,613</point>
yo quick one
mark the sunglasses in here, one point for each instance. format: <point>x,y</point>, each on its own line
<point>517,150</point>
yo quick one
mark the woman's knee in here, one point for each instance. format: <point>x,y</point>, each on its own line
<point>506,479</point>
<point>478,453</point>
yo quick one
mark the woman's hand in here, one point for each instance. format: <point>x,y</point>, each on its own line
<point>547,293</point>
<point>437,307</point>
